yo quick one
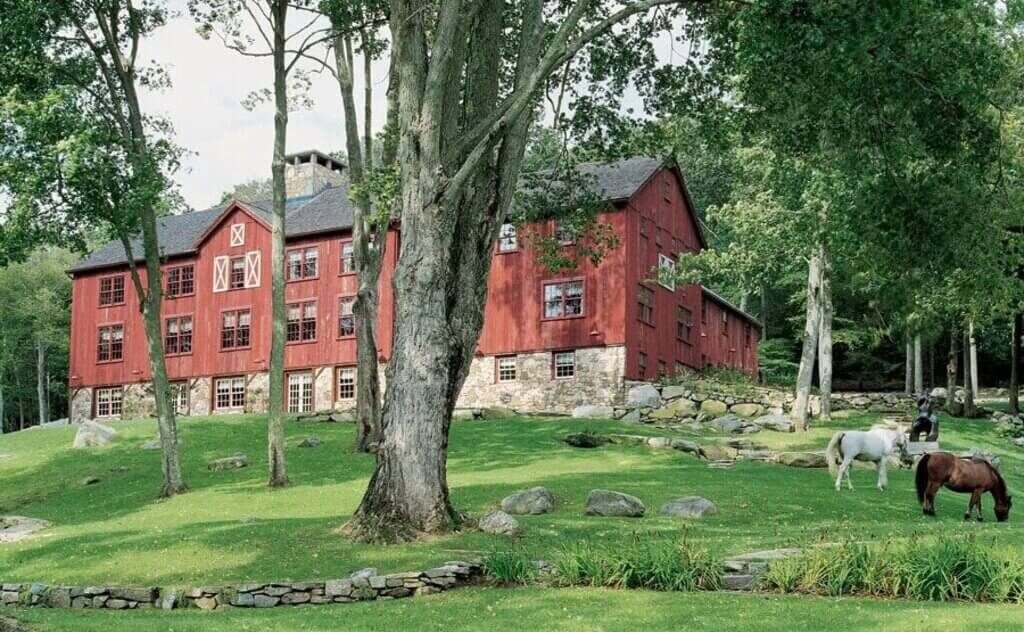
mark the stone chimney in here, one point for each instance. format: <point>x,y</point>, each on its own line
<point>309,172</point>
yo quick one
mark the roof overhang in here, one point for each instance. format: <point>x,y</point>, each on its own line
<point>718,298</point>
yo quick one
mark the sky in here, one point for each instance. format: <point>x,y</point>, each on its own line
<point>227,143</point>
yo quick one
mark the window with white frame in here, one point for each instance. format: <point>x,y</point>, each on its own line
<point>346,319</point>
<point>229,393</point>
<point>564,364</point>
<point>301,325</point>
<point>507,241</point>
<point>563,299</point>
<point>180,397</point>
<point>348,260</point>
<point>507,366</point>
<point>108,401</point>
<point>302,263</point>
<point>346,383</point>
<point>666,272</point>
<point>300,392</point>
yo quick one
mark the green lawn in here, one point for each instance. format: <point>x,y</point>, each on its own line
<point>568,610</point>
<point>230,528</point>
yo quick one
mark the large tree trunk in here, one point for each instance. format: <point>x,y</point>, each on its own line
<point>918,365</point>
<point>812,323</point>
<point>953,407</point>
<point>969,408</point>
<point>825,337</point>
<point>974,360</point>
<point>1015,364</point>
<point>278,474</point>
<point>44,411</point>
<point>908,378</point>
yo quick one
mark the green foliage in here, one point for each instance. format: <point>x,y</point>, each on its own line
<point>776,358</point>
<point>650,561</point>
<point>940,569</point>
<point>510,567</point>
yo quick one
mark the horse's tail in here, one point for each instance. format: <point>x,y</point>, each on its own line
<point>832,454</point>
<point>921,477</point>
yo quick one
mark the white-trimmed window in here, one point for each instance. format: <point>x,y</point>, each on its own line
<point>108,401</point>
<point>507,241</point>
<point>346,383</point>
<point>180,397</point>
<point>229,393</point>
<point>346,319</point>
<point>507,366</point>
<point>666,272</point>
<point>300,392</point>
<point>237,235</point>
<point>302,263</point>
<point>564,364</point>
<point>563,299</point>
<point>110,346</point>
<point>348,259</point>
<point>301,326</point>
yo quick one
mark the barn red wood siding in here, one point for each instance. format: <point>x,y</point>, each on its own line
<point>206,307</point>
<point>726,343</point>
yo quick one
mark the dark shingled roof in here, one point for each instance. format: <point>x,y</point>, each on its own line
<point>331,210</point>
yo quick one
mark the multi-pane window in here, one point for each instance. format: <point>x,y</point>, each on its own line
<point>234,329</point>
<point>506,368</point>
<point>108,401</point>
<point>181,281</point>
<point>300,392</point>
<point>346,319</point>
<point>348,261</point>
<point>302,263</point>
<point>180,397</point>
<point>666,272</point>
<point>564,364</point>
<point>301,322</point>
<point>684,323</point>
<point>110,346</point>
<point>645,301</point>
<point>564,233</point>
<point>236,280</point>
<point>563,299</point>
<point>346,383</point>
<point>725,323</point>
<point>229,392</point>
<point>112,290</point>
<point>507,241</point>
<point>641,363</point>
<point>178,338</point>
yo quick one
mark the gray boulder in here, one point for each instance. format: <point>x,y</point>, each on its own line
<point>603,502</point>
<point>311,441</point>
<point>685,446</point>
<point>733,424</point>
<point>93,434</point>
<point>714,407</point>
<point>235,462</point>
<point>802,459</point>
<point>689,507</point>
<point>500,523</point>
<point>152,444</point>
<point>644,395</point>
<point>593,412</point>
<point>779,423</point>
<point>673,391</point>
<point>536,500</point>
<point>747,409</point>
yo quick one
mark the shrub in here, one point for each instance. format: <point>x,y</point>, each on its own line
<point>776,360</point>
<point>510,567</point>
<point>943,569</point>
<point>655,563</point>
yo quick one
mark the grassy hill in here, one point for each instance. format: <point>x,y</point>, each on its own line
<point>231,528</point>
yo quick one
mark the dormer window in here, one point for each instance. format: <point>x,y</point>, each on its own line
<point>237,235</point>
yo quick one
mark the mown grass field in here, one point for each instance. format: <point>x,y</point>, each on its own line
<point>230,528</point>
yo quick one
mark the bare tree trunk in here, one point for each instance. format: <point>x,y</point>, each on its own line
<point>974,360</point>
<point>44,412</point>
<point>812,324</point>
<point>908,373</point>
<point>1015,364</point>
<point>825,337</point>
<point>952,406</point>
<point>744,302</point>
<point>918,365</point>
<point>764,313</point>
<point>278,474</point>
<point>2,410</point>
<point>969,409</point>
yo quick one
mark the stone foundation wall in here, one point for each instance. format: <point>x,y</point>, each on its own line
<point>599,380</point>
<point>138,401</point>
<point>365,585</point>
<point>199,392</point>
<point>80,408</point>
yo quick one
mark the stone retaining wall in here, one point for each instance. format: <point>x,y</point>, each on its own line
<point>362,586</point>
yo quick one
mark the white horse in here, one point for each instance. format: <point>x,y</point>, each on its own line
<point>875,445</point>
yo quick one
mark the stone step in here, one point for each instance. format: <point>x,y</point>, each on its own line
<point>734,581</point>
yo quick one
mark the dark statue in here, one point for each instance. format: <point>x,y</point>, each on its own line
<point>927,422</point>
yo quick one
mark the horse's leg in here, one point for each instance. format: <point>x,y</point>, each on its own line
<point>844,470</point>
<point>929,497</point>
<point>883,477</point>
<point>976,497</point>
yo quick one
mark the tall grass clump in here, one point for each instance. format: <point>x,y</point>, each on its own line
<point>943,569</point>
<point>655,563</point>
<point>511,567</point>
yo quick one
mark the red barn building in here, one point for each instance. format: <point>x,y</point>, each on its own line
<point>550,342</point>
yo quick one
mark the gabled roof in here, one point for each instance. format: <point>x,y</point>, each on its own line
<point>331,210</point>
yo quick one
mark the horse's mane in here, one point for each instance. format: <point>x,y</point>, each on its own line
<point>999,477</point>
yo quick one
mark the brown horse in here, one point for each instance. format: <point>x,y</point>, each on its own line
<point>964,475</point>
